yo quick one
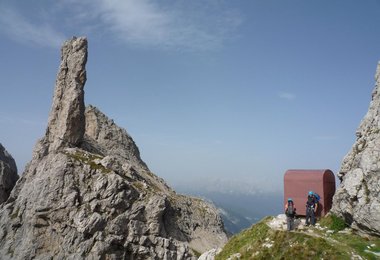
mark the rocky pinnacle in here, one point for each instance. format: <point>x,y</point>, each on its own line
<point>66,124</point>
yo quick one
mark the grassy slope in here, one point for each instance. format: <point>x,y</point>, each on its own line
<point>262,242</point>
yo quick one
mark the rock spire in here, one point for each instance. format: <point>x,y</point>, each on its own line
<point>66,124</point>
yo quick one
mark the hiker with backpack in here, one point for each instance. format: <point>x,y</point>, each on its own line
<point>311,208</point>
<point>290,212</point>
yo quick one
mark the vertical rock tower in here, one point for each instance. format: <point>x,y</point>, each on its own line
<point>87,194</point>
<point>66,124</point>
<point>357,199</point>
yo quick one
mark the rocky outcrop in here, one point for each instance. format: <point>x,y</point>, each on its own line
<point>87,194</point>
<point>357,199</point>
<point>8,174</point>
<point>111,139</point>
<point>210,255</point>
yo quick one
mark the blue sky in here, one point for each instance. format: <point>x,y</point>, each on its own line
<point>220,92</point>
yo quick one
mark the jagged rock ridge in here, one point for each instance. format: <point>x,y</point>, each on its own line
<point>8,174</point>
<point>357,199</point>
<point>87,194</point>
<point>108,138</point>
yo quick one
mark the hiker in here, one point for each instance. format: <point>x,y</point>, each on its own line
<point>290,212</point>
<point>311,208</point>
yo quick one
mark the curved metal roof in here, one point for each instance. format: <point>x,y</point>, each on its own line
<point>324,175</point>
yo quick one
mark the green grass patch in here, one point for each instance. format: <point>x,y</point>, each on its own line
<point>138,185</point>
<point>362,246</point>
<point>15,213</point>
<point>195,252</point>
<point>89,159</point>
<point>262,242</point>
<point>333,222</point>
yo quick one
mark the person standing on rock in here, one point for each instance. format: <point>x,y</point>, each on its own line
<point>311,208</point>
<point>290,212</point>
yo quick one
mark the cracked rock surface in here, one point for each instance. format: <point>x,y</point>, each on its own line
<point>8,174</point>
<point>87,194</point>
<point>357,199</point>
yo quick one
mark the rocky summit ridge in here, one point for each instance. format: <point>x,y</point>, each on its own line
<point>357,199</point>
<point>87,194</point>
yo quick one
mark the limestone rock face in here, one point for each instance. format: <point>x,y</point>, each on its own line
<point>111,139</point>
<point>87,194</point>
<point>210,255</point>
<point>357,199</point>
<point>66,120</point>
<point>8,174</point>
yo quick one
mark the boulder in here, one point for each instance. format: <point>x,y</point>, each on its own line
<point>210,255</point>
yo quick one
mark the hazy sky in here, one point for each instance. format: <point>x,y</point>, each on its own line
<point>234,92</point>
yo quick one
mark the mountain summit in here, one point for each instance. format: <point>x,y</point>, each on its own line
<point>87,194</point>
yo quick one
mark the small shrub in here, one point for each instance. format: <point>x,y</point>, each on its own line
<point>15,213</point>
<point>334,222</point>
<point>88,159</point>
<point>196,253</point>
<point>138,185</point>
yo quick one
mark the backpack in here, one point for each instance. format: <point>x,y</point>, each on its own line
<point>290,210</point>
<point>317,197</point>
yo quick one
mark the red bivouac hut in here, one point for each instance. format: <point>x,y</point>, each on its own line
<point>297,184</point>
